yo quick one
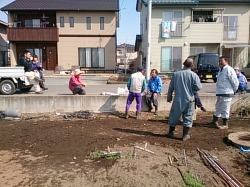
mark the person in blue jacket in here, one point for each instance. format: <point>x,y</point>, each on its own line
<point>154,89</point>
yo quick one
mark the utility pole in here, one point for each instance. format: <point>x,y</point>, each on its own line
<point>148,58</point>
<point>125,55</point>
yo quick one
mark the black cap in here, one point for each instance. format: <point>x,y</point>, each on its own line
<point>140,68</point>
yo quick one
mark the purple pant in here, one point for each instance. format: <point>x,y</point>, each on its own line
<point>130,99</point>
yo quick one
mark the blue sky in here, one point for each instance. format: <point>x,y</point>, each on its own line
<point>129,20</point>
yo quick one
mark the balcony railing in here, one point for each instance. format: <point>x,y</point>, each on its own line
<point>230,32</point>
<point>33,34</point>
<point>178,30</point>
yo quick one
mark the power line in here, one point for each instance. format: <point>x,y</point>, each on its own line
<point>121,4</point>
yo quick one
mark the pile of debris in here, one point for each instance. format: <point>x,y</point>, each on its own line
<point>83,114</point>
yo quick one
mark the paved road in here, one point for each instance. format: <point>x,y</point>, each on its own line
<point>97,85</point>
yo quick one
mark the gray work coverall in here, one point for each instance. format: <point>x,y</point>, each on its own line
<point>183,83</point>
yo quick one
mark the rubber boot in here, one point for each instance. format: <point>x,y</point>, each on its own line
<point>156,110</point>
<point>214,121</point>
<point>185,135</point>
<point>138,115</point>
<point>224,125</point>
<point>126,115</point>
<point>41,84</point>
<point>170,134</point>
<point>150,107</point>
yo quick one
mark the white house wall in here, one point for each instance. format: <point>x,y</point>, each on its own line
<point>242,11</point>
<point>209,35</point>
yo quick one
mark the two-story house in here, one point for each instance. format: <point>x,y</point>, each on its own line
<point>3,44</point>
<point>64,33</point>
<point>181,28</point>
<point>126,56</point>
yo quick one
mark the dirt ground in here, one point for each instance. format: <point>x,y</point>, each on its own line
<point>49,150</point>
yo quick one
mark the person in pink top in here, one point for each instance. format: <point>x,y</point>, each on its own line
<point>75,83</point>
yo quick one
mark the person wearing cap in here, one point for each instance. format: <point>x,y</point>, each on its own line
<point>154,89</point>
<point>226,85</point>
<point>136,85</point>
<point>75,83</point>
<point>242,81</point>
<point>184,83</point>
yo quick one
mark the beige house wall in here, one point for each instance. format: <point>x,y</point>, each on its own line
<point>3,38</point>
<point>67,47</point>
<point>13,55</point>
<point>80,25</point>
<point>68,54</point>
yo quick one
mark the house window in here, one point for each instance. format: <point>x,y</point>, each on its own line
<point>141,29</point>
<point>88,20</point>
<point>197,50</point>
<point>91,57</point>
<point>171,58</point>
<point>175,19</point>
<point>32,23</point>
<point>71,21</point>
<point>61,21</point>
<point>101,23</point>
<point>230,27</point>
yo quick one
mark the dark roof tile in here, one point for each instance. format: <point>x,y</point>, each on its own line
<point>92,5</point>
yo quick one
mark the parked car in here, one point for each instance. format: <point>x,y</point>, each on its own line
<point>206,65</point>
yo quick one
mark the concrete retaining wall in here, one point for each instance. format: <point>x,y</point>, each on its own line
<point>96,103</point>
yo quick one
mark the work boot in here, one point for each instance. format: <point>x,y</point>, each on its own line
<point>170,134</point>
<point>138,115</point>
<point>224,125</point>
<point>203,109</point>
<point>214,121</point>
<point>185,135</point>
<point>156,110</point>
<point>126,115</point>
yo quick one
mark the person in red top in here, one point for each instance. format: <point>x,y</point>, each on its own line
<point>75,83</point>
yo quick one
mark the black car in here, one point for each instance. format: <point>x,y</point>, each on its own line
<point>206,65</point>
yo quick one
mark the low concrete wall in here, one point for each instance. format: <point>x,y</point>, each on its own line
<point>97,103</point>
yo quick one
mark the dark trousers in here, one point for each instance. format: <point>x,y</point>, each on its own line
<point>79,90</point>
<point>150,98</point>
<point>41,76</point>
<point>242,87</point>
<point>197,100</point>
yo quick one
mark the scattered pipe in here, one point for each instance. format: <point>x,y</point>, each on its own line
<point>185,157</point>
<point>144,149</point>
<point>229,179</point>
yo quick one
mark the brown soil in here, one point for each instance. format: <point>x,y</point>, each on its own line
<point>51,151</point>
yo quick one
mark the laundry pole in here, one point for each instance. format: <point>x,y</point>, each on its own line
<point>148,58</point>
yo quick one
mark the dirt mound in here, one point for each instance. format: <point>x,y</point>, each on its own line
<point>54,151</point>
